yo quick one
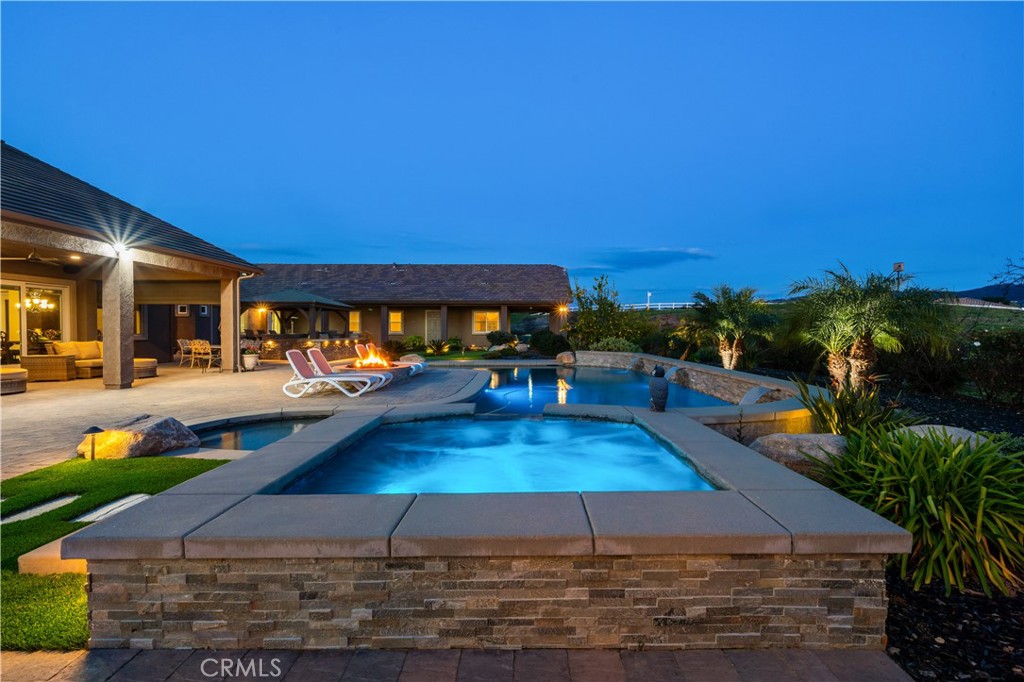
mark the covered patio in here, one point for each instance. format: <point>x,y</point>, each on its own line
<point>82,265</point>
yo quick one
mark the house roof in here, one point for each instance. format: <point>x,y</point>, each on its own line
<point>398,283</point>
<point>294,297</point>
<point>975,303</point>
<point>36,189</point>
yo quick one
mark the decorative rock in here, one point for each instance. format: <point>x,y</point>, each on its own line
<point>412,357</point>
<point>140,436</point>
<point>787,448</point>
<point>565,358</point>
<point>955,433</point>
<point>638,365</point>
<point>522,348</point>
<point>496,347</point>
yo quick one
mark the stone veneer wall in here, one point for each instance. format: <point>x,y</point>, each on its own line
<point>711,601</point>
<point>744,424</point>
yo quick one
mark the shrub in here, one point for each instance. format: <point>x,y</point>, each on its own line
<point>415,343</point>
<point>920,369</point>
<point>995,363</point>
<point>497,338</point>
<point>438,347</point>
<point>393,349</point>
<point>616,346</point>
<point>508,352</point>
<point>655,342</point>
<point>850,409</point>
<point>960,500</point>
<point>455,344</point>
<point>706,355</point>
<point>491,355</point>
<point>548,343</point>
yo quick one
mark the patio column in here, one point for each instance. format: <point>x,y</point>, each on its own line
<point>119,321</point>
<point>444,323</point>
<point>383,324</point>
<point>503,319</point>
<point>229,313</point>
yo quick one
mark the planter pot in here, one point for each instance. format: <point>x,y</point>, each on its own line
<point>249,362</point>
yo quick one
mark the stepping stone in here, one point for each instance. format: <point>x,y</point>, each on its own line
<point>38,510</point>
<point>112,508</point>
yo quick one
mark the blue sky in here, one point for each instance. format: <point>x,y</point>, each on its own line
<point>671,146</point>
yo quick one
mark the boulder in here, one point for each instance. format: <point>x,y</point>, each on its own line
<point>412,358</point>
<point>955,433</point>
<point>496,347</point>
<point>139,436</point>
<point>787,448</point>
<point>522,348</point>
<point>565,358</point>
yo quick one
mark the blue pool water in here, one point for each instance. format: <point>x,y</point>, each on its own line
<point>502,455</point>
<point>252,436</point>
<point>525,390</point>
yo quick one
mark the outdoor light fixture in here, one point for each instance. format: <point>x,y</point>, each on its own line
<point>119,248</point>
<point>562,310</point>
<point>74,257</point>
<point>91,432</point>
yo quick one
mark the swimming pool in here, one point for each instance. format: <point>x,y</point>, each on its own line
<point>252,436</point>
<point>525,390</point>
<point>502,455</point>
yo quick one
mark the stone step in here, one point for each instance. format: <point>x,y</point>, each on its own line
<point>46,560</point>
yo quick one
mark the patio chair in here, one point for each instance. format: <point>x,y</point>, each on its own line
<point>305,379</point>
<point>202,350</point>
<point>322,367</point>
<point>185,349</point>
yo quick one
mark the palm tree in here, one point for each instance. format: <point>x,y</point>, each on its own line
<point>852,318</point>
<point>729,316</point>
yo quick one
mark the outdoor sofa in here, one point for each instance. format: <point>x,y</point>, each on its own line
<point>66,360</point>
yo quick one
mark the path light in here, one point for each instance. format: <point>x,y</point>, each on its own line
<point>91,432</point>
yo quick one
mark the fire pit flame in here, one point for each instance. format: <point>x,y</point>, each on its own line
<point>373,359</point>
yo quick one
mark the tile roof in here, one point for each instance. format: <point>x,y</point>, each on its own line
<point>398,283</point>
<point>294,296</point>
<point>37,189</point>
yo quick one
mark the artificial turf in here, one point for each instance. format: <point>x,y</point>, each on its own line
<point>49,611</point>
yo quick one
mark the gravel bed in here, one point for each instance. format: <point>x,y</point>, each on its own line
<point>963,636</point>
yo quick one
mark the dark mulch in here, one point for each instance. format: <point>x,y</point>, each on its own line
<point>959,637</point>
<point>967,413</point>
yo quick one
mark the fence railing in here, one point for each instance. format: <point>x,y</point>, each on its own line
<point>646,306</point>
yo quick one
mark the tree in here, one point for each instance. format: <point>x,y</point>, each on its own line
<point>1012,275</point>
<point>852,318</point>
<point>600,316</point>
<point>730,316</point>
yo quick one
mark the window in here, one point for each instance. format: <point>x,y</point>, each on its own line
<point>141,331</point>
<point>485,321</point>
<point>395,322</point>
<point>355,322</point>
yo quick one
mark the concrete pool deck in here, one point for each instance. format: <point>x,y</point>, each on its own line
<point>44,425</point>
<point>771,559</point>
<point>552,665</point>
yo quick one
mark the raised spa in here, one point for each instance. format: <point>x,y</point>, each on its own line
<point>525,390</point>
<point>502,456</point>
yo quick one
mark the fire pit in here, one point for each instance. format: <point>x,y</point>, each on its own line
<point>374,362</point>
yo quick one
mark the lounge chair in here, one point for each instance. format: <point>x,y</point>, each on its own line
<point>361,351</point>
<point>323,368</point>
<point>306,379</point>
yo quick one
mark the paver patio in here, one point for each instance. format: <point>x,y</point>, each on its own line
<point>44,425</point>
<point>453,665</point>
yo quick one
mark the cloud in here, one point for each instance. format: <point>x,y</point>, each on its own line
<point>612,261</point>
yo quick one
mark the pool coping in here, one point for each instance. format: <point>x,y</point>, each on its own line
<point>762,508</point>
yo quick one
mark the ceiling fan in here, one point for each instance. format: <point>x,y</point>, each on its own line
<point>33,257</point>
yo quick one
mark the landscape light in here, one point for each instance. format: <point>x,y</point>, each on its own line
<point>91,432</point>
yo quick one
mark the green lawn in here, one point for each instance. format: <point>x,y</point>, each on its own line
<point>49,611</point>
<point>468,355</point>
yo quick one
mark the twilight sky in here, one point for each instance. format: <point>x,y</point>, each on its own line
<point>671,146</point>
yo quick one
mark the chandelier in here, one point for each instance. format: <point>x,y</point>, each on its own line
<point>36,302</point>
